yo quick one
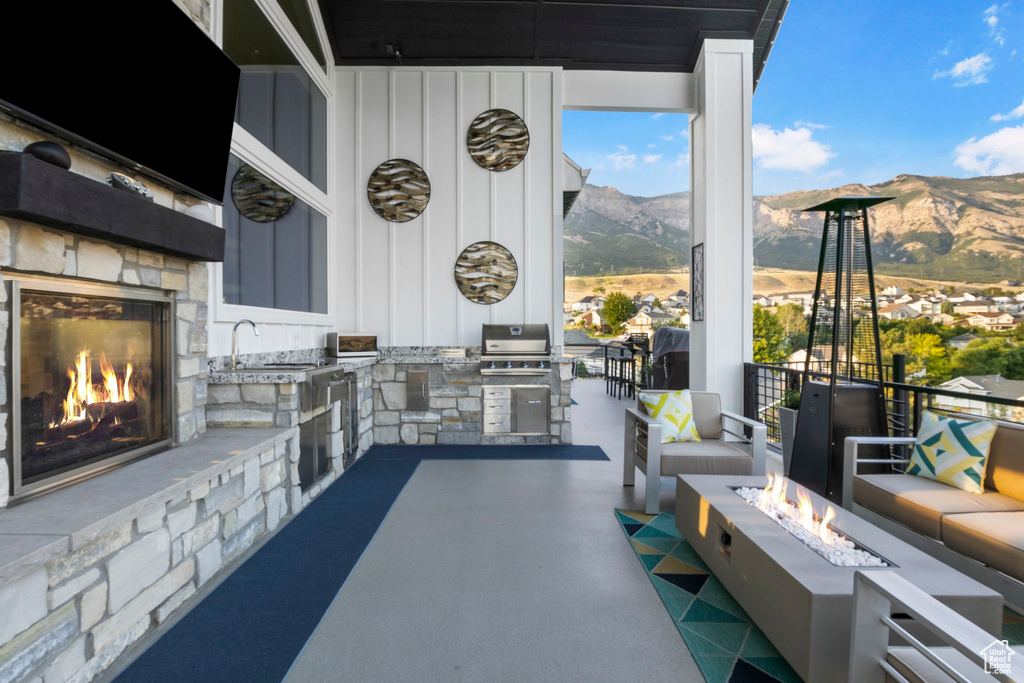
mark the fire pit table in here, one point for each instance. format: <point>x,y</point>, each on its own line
<point>801,600</point>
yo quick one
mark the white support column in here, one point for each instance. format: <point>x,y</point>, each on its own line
<point>721,172</point>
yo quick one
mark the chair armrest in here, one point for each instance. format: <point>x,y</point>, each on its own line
<point>641,417</point>
<point>758,440</point>
<point>850,449</point>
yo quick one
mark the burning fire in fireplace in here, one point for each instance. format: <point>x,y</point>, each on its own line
<point>83,392</point>
<point>802,521</point>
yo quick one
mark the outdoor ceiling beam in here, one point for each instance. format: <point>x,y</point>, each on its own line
<point>671,92</point>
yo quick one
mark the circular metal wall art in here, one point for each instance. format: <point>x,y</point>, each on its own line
<point>486,272</point>
<point>498,140</point>
<point>398,190</point>
<point>257,197</point>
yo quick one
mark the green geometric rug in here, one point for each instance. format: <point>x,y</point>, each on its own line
<point>725,643</point>
<point>727,646</point>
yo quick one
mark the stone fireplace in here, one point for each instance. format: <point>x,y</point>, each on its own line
<point>105,350</point>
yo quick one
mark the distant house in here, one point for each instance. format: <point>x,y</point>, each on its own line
<point>993,321</point>
<point>898,312</point>
<point>641,299</point>
<point>892,291</point>
<point>763,301</point>
<point>942,318</point>
<point>645,321</point>
<point>592,319</point>
<point>680,296</point>
<point>974,306</point>
<point>588,303</point>
<point>994,386</point>
<point>962,340</point>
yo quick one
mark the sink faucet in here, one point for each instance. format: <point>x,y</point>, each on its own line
<point>234,339</point>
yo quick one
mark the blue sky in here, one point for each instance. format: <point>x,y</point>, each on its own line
<point>854,92</point>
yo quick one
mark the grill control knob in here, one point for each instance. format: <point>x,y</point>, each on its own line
<point>508,364</point>
<point>540,365</point>
<point>524,364</point>
<point>491,365</point>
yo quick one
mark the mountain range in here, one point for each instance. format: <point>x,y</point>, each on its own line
<point>952,229</point>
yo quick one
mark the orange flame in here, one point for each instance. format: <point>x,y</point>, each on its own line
<point>772,499</point>
<point>83,393</point>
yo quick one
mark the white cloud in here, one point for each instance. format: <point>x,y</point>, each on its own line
<point>684,133</point>
<point>622,160</point>
<point>835,173</point>
<point>681,160</point>
<point>657,116</point>
<point>651,158</point>
<point>812,126</point>
<point>651,145</point>
<point>669,138</point>
<point>991,19</point>
<point>622,148</point>
<point>1000,153</point>
<point>970,71</point>
<point>1009,116</point>
<point>788,150</point>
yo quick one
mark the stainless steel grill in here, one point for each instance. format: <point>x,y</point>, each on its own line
<point>516,350</point>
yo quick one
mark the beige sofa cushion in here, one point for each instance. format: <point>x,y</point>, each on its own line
<point>920,503</point>
<point>1004,471</point>
<point>707,457</point>
<point>995,538</point>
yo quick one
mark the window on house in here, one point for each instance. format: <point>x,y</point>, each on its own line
<point>276,245</point>
<point>278,102</point>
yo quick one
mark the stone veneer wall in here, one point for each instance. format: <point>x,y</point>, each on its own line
<point>455,405</point>
<point>72,618</point>
<point>29,248</point>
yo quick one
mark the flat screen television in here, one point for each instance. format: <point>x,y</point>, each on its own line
<point>139,83</point>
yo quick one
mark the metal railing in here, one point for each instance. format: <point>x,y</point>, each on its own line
<point>766,384</point>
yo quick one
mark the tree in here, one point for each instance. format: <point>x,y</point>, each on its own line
<point>668,323</point>
<point>981,357</point>
<point>581,370</point>
<point>656,303</point>
<point>794,325</point>
<point>599,290</point>
<point>769,337</point>
<point>948,308</point>
<point>618,308</point>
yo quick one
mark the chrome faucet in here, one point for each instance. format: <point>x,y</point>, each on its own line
<point>234,339</point>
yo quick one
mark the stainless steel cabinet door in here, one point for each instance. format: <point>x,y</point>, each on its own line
<point>533,409</point>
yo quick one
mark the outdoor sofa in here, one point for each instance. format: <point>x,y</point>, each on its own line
<point>981,535</point>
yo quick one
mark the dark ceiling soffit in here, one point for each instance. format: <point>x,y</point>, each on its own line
<point>704,35</point>
<point>759,66</point>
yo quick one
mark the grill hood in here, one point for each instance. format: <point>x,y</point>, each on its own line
<point>518,340</point>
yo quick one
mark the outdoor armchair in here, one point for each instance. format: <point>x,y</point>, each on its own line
<point>721,450</point>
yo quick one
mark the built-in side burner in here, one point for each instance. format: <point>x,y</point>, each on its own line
<point>91,377</point>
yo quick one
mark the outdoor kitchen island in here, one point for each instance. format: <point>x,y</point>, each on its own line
<point>423,396</point>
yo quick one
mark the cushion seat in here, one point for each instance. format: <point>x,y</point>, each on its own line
<point>995,538</point>
<point>921,503</point>
<point>711,456</point>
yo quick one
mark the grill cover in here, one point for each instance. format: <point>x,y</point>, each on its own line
<point>519,340</point>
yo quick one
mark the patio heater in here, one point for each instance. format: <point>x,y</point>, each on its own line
<point>847,396</point>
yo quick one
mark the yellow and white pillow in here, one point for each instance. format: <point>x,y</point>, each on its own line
<point>674,412</point>
<point>952,451</point>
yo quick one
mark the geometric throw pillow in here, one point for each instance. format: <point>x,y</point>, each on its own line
<point>674,412</point>
<point>952,451</point>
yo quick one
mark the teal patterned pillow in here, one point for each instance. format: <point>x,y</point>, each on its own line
<point>952,451</point>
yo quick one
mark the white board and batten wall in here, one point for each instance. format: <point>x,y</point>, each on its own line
<point>397,279</point>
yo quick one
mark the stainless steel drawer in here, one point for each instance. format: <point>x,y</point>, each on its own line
<point>497,424</point>
<point>497,405</point>
<point>497,392</point>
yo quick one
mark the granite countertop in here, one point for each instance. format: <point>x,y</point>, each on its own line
<point>265,375</point>
<point>427,358</point>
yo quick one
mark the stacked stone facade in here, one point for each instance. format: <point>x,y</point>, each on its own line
<point>454,413</point>
<point>71,618</point>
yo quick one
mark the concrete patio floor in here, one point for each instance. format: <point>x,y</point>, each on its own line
<point>505,571</point>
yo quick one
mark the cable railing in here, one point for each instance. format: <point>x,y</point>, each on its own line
<point>765,386</point>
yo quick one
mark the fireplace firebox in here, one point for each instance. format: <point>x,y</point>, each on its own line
<point>91,378</point>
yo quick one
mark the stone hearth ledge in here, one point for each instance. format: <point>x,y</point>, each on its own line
<point>40,530</point>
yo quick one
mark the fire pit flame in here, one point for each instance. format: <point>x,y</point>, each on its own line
<point>801,521</point>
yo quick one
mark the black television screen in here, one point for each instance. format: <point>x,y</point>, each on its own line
<point>139,83</point>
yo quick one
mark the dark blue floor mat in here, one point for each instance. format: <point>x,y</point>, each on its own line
<point>253,626</point>
<point>573,402</point>
<point>513,452</point>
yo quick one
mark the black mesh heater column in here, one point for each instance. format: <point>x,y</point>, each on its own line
<point>844,346</point>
